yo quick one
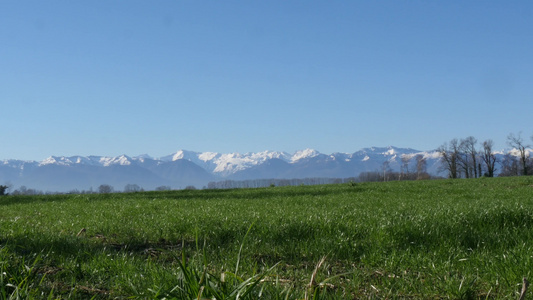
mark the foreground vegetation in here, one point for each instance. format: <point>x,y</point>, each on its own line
<point>457,239</point>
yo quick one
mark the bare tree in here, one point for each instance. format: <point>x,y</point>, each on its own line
<point>468,156</point>
<point>463,164</point>
<point>518,143</point>
<point>23,190</point>
<point>509,165</point>
<point>405,166</point>
<point>105,189</point>
<point>370,176</point>
<point>386,170</point>
<point>132,188</point>
<point>163,188</point>
<point>421,165</point>
<point>489,158</point>
<point>449,154</point>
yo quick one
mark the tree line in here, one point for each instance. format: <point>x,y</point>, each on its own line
<point>257,183</point>
<point>465,158</point>
<point>102,189</point>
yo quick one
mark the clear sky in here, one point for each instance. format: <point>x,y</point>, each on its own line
<point>135,77</point>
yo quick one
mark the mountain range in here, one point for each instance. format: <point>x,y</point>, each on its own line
<point>189,168</point>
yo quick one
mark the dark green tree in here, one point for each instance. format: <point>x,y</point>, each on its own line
<point>3,190</point>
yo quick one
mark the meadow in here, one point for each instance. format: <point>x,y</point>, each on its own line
<point>435,239</point>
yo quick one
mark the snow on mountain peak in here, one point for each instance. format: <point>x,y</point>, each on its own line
<point>228,163</point>
<point>262,156</point>
<point>233,162</point>
<point>431,155</point>
<point>61,160</point>
<point>307,153</point>
<point>389,152</point>
<point>51,160</point>
<point>181,154</point>
<point>122,160</point>
<point>206,156</point>
<point>516,152</point>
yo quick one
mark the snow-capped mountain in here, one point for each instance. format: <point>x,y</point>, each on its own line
<point>183,168</point>
<point>230,163</point>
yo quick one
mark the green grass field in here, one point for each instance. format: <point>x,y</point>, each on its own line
<point>440,239</point>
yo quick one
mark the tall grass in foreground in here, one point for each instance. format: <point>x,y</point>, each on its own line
<point>462,239</point>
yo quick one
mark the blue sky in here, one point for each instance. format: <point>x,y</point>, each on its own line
<point>134,77</point>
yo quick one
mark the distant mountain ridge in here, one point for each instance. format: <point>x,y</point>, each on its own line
<point>184,168</point>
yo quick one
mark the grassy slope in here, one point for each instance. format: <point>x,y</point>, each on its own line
<point>427,239</point>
